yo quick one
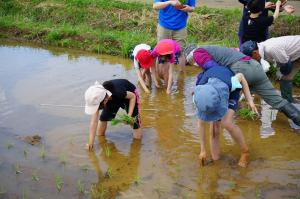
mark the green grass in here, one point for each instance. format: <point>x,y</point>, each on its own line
<point>114,27</point>
<point>63,159</point>
<point>123,118</point>
<point>35,177</point>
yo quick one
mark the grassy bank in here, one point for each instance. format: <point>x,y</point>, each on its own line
<point>114,27</point>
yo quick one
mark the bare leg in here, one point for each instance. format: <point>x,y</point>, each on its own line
<point>137,133</point>
<point>181,60</point>
<point>202,155</point>
<point>237,135</point>
<point>102,128</point>
<point>214,140</point>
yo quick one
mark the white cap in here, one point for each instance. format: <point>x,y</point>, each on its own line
<point>93,96</point>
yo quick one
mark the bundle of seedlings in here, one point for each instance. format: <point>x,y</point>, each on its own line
<point>123,118</point>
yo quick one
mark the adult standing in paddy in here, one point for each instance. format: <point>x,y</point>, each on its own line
<point>172,19</point>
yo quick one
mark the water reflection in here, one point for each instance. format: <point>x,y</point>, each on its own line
<point>119,172</point>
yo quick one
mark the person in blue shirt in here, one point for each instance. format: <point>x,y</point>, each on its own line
<point>172,19</point>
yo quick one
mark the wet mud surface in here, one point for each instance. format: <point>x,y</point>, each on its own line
<point>41,93</point>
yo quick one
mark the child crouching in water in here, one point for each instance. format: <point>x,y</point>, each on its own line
<point>216,98</point>
<point>167,51</point>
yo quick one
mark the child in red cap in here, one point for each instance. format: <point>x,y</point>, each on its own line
<point>167,51</point>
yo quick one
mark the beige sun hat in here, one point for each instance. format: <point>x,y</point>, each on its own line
<point>93,96</point>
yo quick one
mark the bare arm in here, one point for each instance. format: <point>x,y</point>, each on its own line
<point>131,97</point>
<point>162,5</point>
<point>170,79</point>
<point>141,80</point>
<point>187,8</point>
<point>277,9</point>
<point>246,91</point>
<point>92,130</point>
<point>154,76</point>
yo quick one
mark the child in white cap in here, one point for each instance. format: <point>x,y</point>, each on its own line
<point>109,97</point>
<point>216,98</point>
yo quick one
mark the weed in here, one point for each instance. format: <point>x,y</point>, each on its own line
<point>80,187</point>
<point>109,173</point>
<point>246,113</point>
<point>62,159</point>
<point>43,153</point>
<point>18,169</point>
<point>58,183</point>
<point>123,118</point>
<point>35,177</point>
<point>107,151</point>
<point>9,145</point>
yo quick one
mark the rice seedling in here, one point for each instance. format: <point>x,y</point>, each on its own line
<point>9,145</point>
<point>109,173</point>
<point>246,113</point>
<point>58,183</point>
<point>24,194</point>
<point>2,191</point>
<point>123,118</point>
<point>80,187</point>
<point>18,169</point>
<point>137,180</point>
<point>35,177</point>
<point>97,192</point>
<point>62,159</point>
<point>232,185</point>
<point>43,153</point>
<point>25,153</point>
<point>258,193</point>
<point>85,168</point>
<point>107,151</point>
<point>159,190</point>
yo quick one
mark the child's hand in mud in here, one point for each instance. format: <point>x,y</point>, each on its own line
<point>89,147</point>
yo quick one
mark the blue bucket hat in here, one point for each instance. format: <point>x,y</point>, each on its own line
<point>248,47</point>
<point>211,100</point>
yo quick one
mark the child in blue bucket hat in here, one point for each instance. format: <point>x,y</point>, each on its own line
<point>216,98</point>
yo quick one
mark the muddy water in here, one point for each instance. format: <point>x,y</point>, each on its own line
<point>41,92</point>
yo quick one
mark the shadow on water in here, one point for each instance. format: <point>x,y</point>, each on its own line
<point>41,92</point>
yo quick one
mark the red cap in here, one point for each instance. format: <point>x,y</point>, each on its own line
<point>144,58</point>
<point>164,48</point>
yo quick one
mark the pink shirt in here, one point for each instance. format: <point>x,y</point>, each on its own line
<point>176,49</point>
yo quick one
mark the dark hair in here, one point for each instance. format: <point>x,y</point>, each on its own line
<point>256,6</point>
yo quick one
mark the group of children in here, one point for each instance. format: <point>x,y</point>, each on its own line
<point>226,72</point>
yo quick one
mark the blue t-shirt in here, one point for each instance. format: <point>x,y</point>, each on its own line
<point>172,18</point>
<point>224,74</point>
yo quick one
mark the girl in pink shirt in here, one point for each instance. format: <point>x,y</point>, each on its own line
<point>167,51</point>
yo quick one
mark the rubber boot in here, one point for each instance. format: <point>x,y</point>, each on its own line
<point>291,112</point>
<point>286,89</point>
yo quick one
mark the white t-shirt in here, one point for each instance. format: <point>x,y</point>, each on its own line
<point>280,49</point>
<point>135,52</point>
